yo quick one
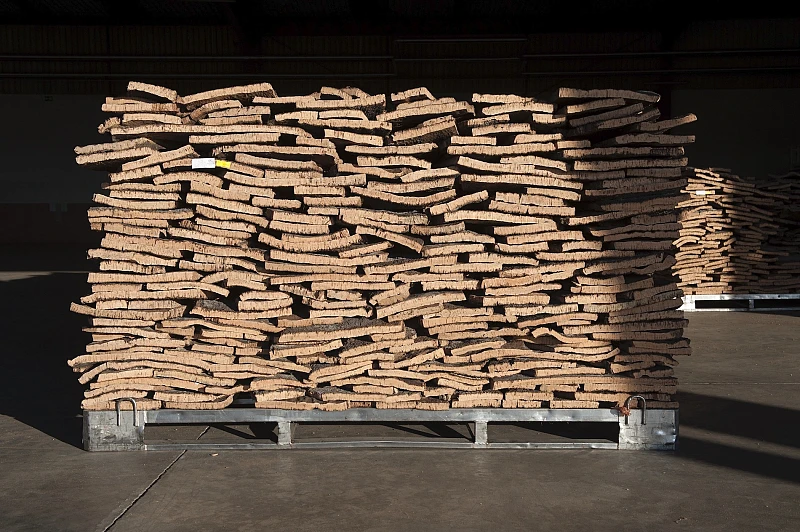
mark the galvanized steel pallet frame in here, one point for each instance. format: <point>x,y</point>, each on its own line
<point>689,302</point>
<point>124,431</point>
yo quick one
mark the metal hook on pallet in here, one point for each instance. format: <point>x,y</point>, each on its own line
<point>132,401</point>
<point>644,408</point>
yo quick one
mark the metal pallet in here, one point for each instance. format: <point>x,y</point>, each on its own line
<point>690,302</point>
<point>124,431</point>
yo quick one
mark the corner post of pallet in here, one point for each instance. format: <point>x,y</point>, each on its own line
<point>660,432</point>
<point>481,432</point>
<point>285,432</point>
<point>101,432</point>
<point>688,303</point>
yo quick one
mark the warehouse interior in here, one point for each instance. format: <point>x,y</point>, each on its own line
<point>736,67</point>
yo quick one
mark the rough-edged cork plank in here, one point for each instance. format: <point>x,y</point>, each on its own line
<point>235,138</point>
<point>158,158</point>
<point>408,149</point>
<point>499,151</point>
<point>431,130</point>
<point>467,140</point>
<point>412,95</point>
<point>522,179</point>
<point>113,158</point>
<point>348,137</point>
<point>139,107</point>
<point>348,328</point>
<point>371,105</point>
<point>607,115</point>
<point>153,90</point>
<point>625,151</point>
<point>250,110</point>
<point>193,101</point>
<point>664,125</point>
<point>566,93</point>
<point>117,146</point>
<point>428,111</point>
<point>168,130</point>
<point>593,105</point>
<point>654,139</point>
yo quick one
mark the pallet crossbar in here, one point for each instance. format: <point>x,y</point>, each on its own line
<point>690,302</point>
<point>117,431</point>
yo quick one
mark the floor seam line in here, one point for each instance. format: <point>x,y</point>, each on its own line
<point>144,492</point>
<point>153,483</point>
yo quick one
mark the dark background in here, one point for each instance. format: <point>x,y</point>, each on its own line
<point>737,68</point>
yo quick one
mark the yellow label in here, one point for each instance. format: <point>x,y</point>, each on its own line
<point>223,164</point>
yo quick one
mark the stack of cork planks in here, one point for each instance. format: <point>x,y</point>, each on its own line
<point>341,249</point>
<point>739,235</point>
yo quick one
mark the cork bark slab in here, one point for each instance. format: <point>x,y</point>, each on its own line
<point>498,275</point>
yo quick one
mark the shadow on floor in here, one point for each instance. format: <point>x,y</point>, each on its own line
<point>743,419</point>
<point>725,415</point>
<point>39,335</point>
<point>746,460</point>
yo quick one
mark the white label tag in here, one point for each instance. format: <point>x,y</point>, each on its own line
<point>203,162</point>
<point>701,192</point>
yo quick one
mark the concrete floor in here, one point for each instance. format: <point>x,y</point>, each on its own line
<point>738,467</point>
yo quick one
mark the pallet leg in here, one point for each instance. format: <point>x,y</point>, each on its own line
<point>751,304</point>
<point>660,432</point>
<point>481,433</point>
<point>285,432</point>
<point>102,433</point>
